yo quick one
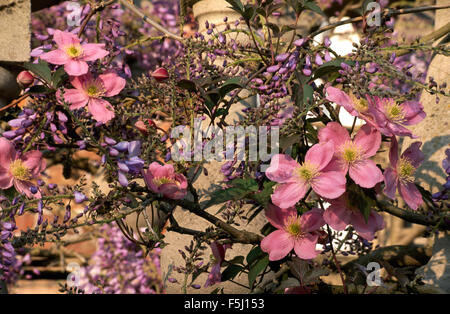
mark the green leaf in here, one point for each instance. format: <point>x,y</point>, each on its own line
<point>254,254</point>
<point>236,5</point>
<point>40,69</point>
<point>263,197</point>
<point>311,5</point>
<point>187,85</point>
<point>237,260</point>
<point>38,89</point>
<point>231,271</point>
<point>257,269</point>
<point>331,67</point>
<point>230,85</point>
<point>308,92</point>
<point>240,189</point>
<point>58,77</point>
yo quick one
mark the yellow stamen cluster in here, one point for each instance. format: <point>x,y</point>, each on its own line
<point>307,172</point>
<point>163,180</point>
<point>19,171</point>
<point>74,51</point>
<point>350,152</point>
<point>405,169</point>
<point>293,226</point>
<point>394,111</point>
<point>361,105</point>
<point>94,91</point>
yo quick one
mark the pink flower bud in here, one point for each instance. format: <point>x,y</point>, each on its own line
<point>160,74</point>
<point>25,79</point>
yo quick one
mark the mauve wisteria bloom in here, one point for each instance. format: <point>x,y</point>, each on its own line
<point>19,170</point>
<point>342,213</point>
<point>392,117</point>
<point>72,54</point>
<point>162,179</point>
<point>294,232</point>
<point>89,91</point>
<point>294,179</point>
<point>400,174</point>
<point>353,156</point>
<point>218,251</point>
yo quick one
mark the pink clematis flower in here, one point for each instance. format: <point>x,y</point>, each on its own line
<point>72,54</point>
<point>19,170</point>
<point>89,91</point>
<point>342,213</point>
<point>392,117</point>
<point>295,179</point>
<point>218,251</point>
<point>353,156</point>
<point>356,107</point>
<point>400,173</point>
<point>163,180</point>
<point>294,232</point>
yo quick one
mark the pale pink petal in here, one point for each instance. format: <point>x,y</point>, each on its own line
<point>58,57</point>
<point>281,168</point>
<point>148,178</point>
<point>76,67</point>
<point>182,181</point>
<point>390,181</point>
<point>312,220</point>
<point>397,129</point>
<point>342,99</point>
<point>367,230</point>
<point>6,179</point>
<point>64,39</point>
<point>23,187</point>
<point>337,216</point>
<point>414,154</point>
<point>172,191</point>
<point>413,112</point>
<point>336,164</point>
<point>75,98</point>
<point>33,160</point>
<point>160,171</point>
<point>100,109</point>
<point>410,194</point>
<point>278,244</point>
<point>365,173</point>
<point>80,82</point>
<point>276,215</point>
<point>305,247</point>
<point>329,184</point>
<point>320,154</point>
<point>333,131</point>
<point>288,194</point>
<point>112,83</point>
<point>369,139</point>
<point>7,153</point>
<point>92,52</point>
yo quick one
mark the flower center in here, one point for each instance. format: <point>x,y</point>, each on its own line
<point>405,169</point>
<point>394,111</point>
<point>361,105</point>
<point>19,171</point>
<point>74,51</point>
<point>350,152</point>
<point>163,180</point>
<point>307,171</point>
<point>94,90</point>
<point>293,226</point>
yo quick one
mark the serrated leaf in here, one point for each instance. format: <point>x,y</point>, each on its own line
<point>58,77</point>
<point>237,260</point>
<point>254,254</point>
<point>360,200</point>
<point>238,190</point>
<point>308,92</point>
<point>236,5</point>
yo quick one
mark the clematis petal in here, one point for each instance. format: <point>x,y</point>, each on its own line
<point>329,184</point>
<point>278,244</point>
<point>288,194</point>
<point>100,109</point>
<point>305,247</point>
<point>365,173</point>
<point>112,83</point>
